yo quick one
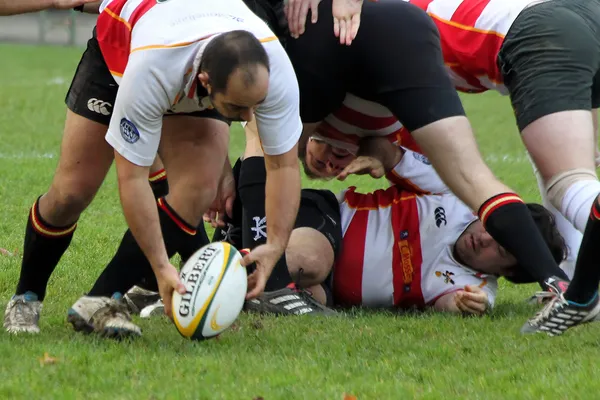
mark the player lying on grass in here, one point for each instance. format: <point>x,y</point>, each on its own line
<point>399,249</point>
<point>546,56</point>
<point>175,83</point>
<point>419,93</point>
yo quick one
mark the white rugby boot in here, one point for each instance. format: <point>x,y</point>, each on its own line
<point>107,317</point>
<point>22,314</point>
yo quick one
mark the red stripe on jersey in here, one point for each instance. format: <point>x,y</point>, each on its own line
<point>422,4</point>
<point>140,10</point>
<point>114,37</point>
<point>468,12</point>
<point>407,258</point>
<point>363,121</point>
<point>378,199</point>
<point>348,272</point>
<point>405,139</point>
<point>470,53</point>
<point>114,33</point>
<point>328,130</point>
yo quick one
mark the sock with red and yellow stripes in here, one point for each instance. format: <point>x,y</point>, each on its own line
<point>43,247</point>
<point>130,267</point>
<point>159,183</point>
<point>584,285</point>
<point>508,220</point>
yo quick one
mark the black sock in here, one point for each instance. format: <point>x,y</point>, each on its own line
<point>159,183</point>
<point>251,186</point>
<point>280,277</point>
<point>584,285</point>
<point>508,220</point>
<point>44,246</point>
<point>232,233</point>
<point>129,266</point>
<point>190,246</point>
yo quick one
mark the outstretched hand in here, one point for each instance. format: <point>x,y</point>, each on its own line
<point>363,165</point>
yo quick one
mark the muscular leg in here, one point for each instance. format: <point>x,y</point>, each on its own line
<point>84,162</point>
<point>571,235</point>
<point>193,150</point>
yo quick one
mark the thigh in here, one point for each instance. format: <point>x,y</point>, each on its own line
<point>193,151</point>
<point>549,59</point>
<point>319,210</point>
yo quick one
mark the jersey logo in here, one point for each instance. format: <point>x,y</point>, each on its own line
<point>259,228</point>
<point>99,106</point>
<point>446,275</point>
<point>161,1</point>
<point>128,131</point>
<point>440,216</point>
<point>422,158</point>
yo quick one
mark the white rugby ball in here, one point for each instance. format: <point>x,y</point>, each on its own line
<point>216,286</point>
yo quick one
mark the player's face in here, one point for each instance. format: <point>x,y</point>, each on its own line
<point>239,101</point>
<point>478,250</point>
<point>326,160</point>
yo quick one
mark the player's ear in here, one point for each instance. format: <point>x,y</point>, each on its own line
<point>204,81</point>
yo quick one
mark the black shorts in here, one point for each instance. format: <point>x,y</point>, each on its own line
<point>395,60</point>
<point>320,210</point>
<point>550,59</point>
<point>93,90</point>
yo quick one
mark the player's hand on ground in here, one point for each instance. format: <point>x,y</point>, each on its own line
<point>471,300</point>
<point>264,257</point>
<point>67,4</point>
<point>363,165</point>
<point>168,280</point>
<point>296,12</point>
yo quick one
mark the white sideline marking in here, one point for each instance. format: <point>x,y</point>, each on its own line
<point>506,158</point>
<point>26,156</point>
<point>54,81</point>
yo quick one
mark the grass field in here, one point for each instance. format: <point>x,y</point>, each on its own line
<point>367,355</point>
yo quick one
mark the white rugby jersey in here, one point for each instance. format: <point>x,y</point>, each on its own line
<point>153,49</point>
<point>397,245</point>
<point>358,118</point>
<point>472,32</point>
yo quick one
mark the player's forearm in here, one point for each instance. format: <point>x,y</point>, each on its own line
<point>282,200</point>
<point>141,214</point>
<point>12,7</point>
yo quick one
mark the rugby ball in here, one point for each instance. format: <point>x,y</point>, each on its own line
<point>216,285</point>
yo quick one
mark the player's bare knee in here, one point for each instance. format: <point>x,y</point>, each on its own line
<point>310,251</point>
<point>573,193</point>
<point>62,205</point>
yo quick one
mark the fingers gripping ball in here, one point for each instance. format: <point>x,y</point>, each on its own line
<point>216,285</point>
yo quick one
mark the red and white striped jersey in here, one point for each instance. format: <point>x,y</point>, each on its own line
<point>358,118</point>
<point>397,246</point>
<point>153,49</point>
<point>472,32</point>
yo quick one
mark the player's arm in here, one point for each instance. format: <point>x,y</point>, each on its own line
<point>12,7</point>
<point>279,129</point>
<point>134,133</point>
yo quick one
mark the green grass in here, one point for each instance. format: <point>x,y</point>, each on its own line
<point>369,355</point>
